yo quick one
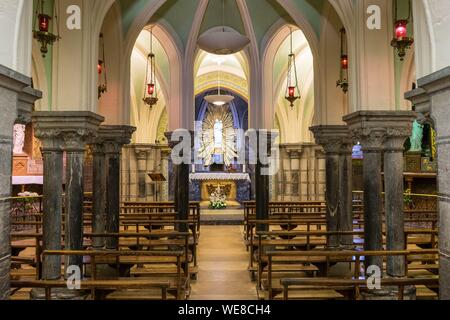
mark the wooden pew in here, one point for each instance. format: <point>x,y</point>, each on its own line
<point>156,239</point>
<point>178,283</point>
<point>355,258</point>
<point>304,241</point>
<point>279,206</point>
<point>136,207</point>
<point>330,287</point>
<point>95,285</point>
<point>172,224</point>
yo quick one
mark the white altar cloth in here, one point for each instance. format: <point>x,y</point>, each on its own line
<point>22,180</point>
<point>204,176</point>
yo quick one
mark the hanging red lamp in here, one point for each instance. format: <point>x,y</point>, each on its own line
<point>150,93</point>
<point>101,70</point>
<point>344,64</point>
<point>41,30</point>
<point>292,88</point>
<point>401,41</point>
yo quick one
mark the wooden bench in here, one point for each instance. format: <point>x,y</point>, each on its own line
<point>327,288</point>
<point>352,257</point>
<point>140,287</point>
<point>133,207</point>
<point>179,283</point>
<point>308,240</point>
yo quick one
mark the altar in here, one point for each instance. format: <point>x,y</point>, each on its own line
<point>236,186</point>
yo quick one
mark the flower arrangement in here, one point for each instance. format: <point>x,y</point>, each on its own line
<point>407,198</point>
<point>218,200</point>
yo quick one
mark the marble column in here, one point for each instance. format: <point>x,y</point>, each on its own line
<point>52,195</point>
<point>437,86</point>
<point>164,190</point>
<point>114,138</point>
<point>331,138</point>
<point>12,85</point>
<point>99,193</point>
<point>182,178</point>
<point>265,139</point>
<point>346,192</point>
<point>399,128</point>
<point>77,129</point>
<point>366,129</point>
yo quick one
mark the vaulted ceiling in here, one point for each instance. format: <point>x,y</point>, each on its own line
<point>180,15</point>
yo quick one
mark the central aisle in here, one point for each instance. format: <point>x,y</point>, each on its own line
<point>223,263</point>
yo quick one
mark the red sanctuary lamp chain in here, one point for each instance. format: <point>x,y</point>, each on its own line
<point>343,80</point>
<point>401,40</point>
<point>292,89</point>
<point>41,31</point>
<point>101,70</point>
<point>151,94</point>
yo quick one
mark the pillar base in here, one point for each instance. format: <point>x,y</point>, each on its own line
<point>390,293</point>
<point>60,294</point>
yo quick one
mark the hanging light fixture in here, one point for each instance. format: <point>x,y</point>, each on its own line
<point>401,41</point>
<point>150,92</point>
<point>101,69</point>
<point>219,99</point>
<point>343,80</point>
<point>41,30</point>
<point>292,89</point>
<point>222,40</point>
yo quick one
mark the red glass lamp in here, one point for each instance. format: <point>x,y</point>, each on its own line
<point>150,93</point>
<point>292,88</point>
<point>41,30</point>
<point>401,41</point>
<point>344,64</point>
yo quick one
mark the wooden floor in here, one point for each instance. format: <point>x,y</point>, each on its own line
<point>223,265</point>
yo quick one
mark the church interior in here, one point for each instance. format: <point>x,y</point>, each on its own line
<point>224,150</point>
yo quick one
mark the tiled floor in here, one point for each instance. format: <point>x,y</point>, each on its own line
<point>223,262</point>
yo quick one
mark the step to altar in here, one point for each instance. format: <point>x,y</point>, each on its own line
<point>222,216</point>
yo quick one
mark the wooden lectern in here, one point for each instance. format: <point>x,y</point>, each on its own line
<point>157,178</point>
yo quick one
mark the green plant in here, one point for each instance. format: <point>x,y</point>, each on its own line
<point>218,205</point>
<point>407,198</point>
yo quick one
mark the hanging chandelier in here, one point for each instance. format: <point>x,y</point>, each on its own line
<point>292,88</point>
<point>222,40</point>
<point>343,80</point>
<point>401,41</point>
<point>101,69</point>
<point>150,92</point>
<point>219,99</point>
<point>41,30</point>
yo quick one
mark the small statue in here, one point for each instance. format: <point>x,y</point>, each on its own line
<point>18,138</point>
<point>416,137</point>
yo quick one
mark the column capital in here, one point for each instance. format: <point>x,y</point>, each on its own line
<point>436,82</point>
<point>331,137</point>
<point>114,137</point>
<point>294,150</point>
<point>74,128</point>
<point>142,150</point>
<point>374,128</point>
<point>25,105</point>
